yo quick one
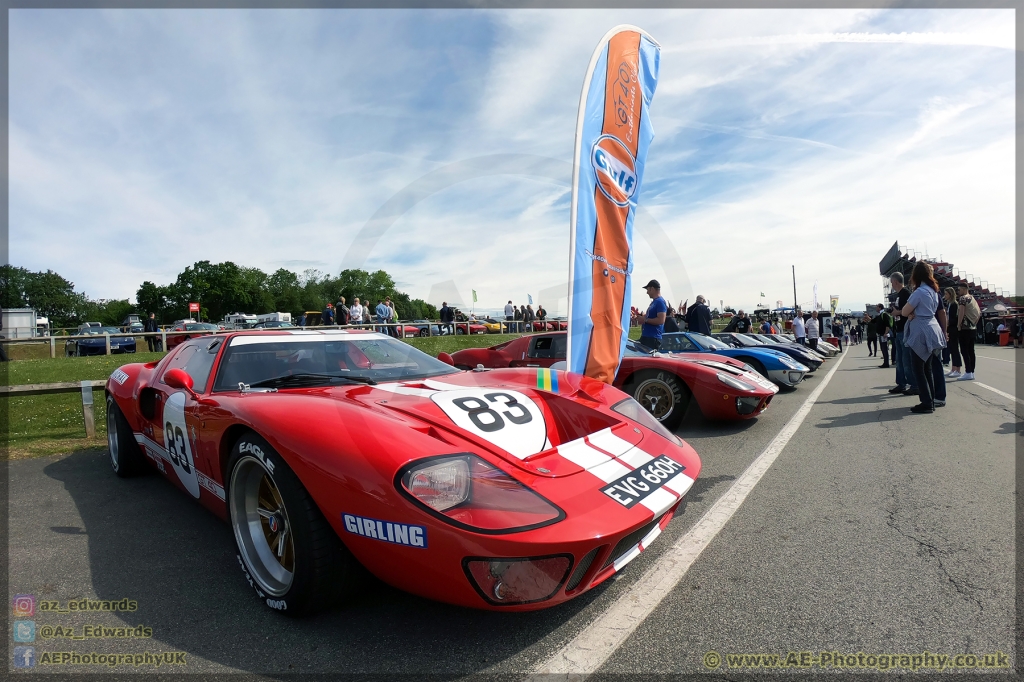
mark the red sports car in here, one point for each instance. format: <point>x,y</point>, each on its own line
<point>469,328</point>
<point>512,489</point>
<point>195,329</point>
<point>664,384</point>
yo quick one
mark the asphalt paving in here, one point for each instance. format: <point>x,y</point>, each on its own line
<point>875,531</point>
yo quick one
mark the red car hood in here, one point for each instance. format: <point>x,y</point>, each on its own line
<point>540,430</point>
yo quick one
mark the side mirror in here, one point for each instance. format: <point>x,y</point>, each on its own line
<point>446,358</point>
<point>179,378</point>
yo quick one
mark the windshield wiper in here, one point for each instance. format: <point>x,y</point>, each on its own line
<point>310,379</point>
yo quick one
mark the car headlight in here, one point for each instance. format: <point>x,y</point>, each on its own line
<point>631,409</point>
<point>734,382</point>
<point>468,492</point>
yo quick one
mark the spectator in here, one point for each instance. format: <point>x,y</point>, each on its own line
<point>383,311</point>
<point>923,335</point>
<point>541,313</point>
<point>812,330</point>
<point>152,342</point>
<point>743,324</point>
<point>447,317</point>
<point>872,336</point>
<point>517,315</point>
<point>366,314</point>
<point>327,317</point>
<point>671,325</point>
<point>392,318</point>
<point>799,331</point>
<point>836,328</point>
<point>905,378</point>
<point>654,321</point>
<point>766,327</point>
<point>698,317</point>
<point>528,317</point>
<point>355,312</point>
<point>952,341</point>
<point>968,314</point>
<point>990,337</point>
<point>302,320</point>
<point>341,312</point>
<point>510,311</point>
<point>1018,342</point>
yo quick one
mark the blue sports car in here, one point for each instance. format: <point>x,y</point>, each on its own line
<point>97,345</point>
<point>769,363</point>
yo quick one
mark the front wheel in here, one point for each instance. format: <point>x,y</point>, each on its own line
<point>424,332</point>
<point>458,330</point>
<point>757,365</point>
<point>126,458</point>
<point>662,394</point>
<point>289,553</point>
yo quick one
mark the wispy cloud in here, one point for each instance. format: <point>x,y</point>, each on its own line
<point>141,141</point>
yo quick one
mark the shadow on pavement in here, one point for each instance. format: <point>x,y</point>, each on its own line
<point>1010,427</point>
<point>149,542</point>
<point>868,417</point>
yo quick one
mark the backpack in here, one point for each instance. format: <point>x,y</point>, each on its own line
<point>972,313</point>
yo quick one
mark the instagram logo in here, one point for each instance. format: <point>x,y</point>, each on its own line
<point>24,605</point>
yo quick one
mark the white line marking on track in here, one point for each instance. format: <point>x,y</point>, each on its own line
<point>595,644</point>
<point>1012,362</point>
<point>997,391</point>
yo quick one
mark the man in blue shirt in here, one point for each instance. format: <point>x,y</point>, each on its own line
<point>654,322</point>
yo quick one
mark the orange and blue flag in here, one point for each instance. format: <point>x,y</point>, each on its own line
<point>613,134</point>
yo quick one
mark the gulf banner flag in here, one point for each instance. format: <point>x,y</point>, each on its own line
<point>613,133</point>
<point>833,301</point>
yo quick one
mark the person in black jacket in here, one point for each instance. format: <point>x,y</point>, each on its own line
<point>447,317</point>
<point>670,321</point>
<point>151,326</point>
<point>698,317</point>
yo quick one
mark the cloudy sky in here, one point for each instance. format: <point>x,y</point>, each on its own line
<point>142,141</point>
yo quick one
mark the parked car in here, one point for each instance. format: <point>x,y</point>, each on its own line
<point>97,343</point>
<point>197,329</point>
<point>795,351</point>
<point>426,328</point>
<point>664,384</point>
<point>509,490</point>
<point>469,328</point>
<point>769,363</point>
<point>270,324</point>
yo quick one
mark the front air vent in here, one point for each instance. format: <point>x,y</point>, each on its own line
<point>581,570</point>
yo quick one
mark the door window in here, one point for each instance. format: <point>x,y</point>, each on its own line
<point>196,358</point>
<point>549,347</point>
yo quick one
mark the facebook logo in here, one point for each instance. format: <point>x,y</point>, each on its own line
<point>24,657</point>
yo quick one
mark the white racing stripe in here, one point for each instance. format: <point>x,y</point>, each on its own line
<point>595,644</point>
<point>996,391</point>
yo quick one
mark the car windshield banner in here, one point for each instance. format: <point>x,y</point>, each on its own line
<point>613,133</point>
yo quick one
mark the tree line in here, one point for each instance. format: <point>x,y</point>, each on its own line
<point>219,288</point>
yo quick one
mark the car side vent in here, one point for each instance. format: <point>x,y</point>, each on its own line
<point>581,570</point>
<point>626,543</point>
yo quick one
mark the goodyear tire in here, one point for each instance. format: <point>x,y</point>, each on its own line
<point>126,458</point>
<point>663,394</point>
<point>289,553</point>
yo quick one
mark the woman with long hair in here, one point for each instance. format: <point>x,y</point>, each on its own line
<point>949,297</point>
<point>923,335</point>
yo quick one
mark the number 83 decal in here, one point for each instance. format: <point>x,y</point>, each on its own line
<point>508,419</point>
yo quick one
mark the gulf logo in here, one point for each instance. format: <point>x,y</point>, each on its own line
<point>614,169</point>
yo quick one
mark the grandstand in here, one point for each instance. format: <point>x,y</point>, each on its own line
<point>902,259</point>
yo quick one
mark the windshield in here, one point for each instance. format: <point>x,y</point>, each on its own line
<point>749,340</point>
<point>200,326</point>
<point>708,343</point>
<point>634,350</point>
<point>101,330</point>
<point>254,359</point>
